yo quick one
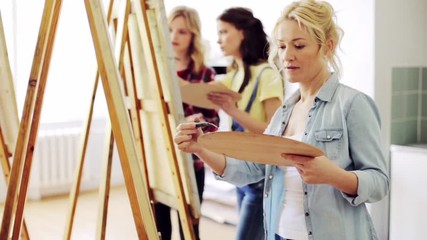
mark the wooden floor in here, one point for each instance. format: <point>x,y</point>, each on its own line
<point>46,219</point>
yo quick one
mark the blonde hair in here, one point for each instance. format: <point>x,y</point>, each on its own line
<point>192,19</point>
<point>318,19</point>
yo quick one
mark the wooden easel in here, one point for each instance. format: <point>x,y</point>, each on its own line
<point>8,113</point>
<point>137,104</point>
<point>29,124</point>
<point>105,178</point>
<point>157,52</point>
<point>109,140</point>
<point>149,22</point>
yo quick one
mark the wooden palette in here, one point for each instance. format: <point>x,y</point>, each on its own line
<point>258,148</point>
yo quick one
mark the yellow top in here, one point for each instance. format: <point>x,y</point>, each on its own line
<point>270,86</point>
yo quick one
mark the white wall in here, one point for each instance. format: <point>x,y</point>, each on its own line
<point>400,40</point>
<point>73,64</point>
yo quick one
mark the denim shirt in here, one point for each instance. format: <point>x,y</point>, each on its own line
<point>345,124</point>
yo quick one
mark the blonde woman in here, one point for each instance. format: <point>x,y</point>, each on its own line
<point>322,198</point>
<point>185,33</point>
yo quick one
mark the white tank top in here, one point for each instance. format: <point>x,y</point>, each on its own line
<point>292,219</point>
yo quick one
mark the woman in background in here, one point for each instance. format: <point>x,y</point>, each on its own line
<point>185,33</point>
<point>242,36</point>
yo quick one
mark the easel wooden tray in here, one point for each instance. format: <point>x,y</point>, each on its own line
<point>196,94</point>
<point>258,148</point>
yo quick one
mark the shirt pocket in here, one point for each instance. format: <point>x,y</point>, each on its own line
<point>330,140</point>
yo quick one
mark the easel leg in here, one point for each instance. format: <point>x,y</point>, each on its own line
<point>137,191</point>
<point>75,189</point>
<point>83,147</point>
<point>29,124</point>
<point>10,113</point>
<point>4,162</point>
<point>104,190</point>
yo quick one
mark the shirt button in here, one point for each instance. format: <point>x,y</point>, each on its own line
<point>307,214</point>
<point>310,233</point>
<point>305,193</point>
<point>265,195</point>
<point>270,177</point>
<point>305,133</point>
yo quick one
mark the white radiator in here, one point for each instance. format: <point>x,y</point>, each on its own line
<point>55,160</point>
<point>56,155</point>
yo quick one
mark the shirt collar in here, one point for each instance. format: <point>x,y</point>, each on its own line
<point>186,74</point>
<point>325,92</point>
<point>328,89</point>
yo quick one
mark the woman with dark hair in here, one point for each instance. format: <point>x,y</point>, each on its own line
<point>242,36</point>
